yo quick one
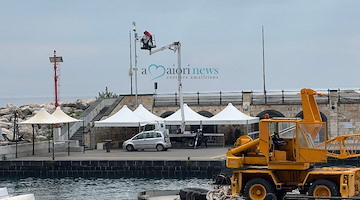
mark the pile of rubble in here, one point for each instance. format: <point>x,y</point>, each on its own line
<point>7,118</point>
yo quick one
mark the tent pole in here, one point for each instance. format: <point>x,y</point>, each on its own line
<point>53,143</point>
<point>33,139</point>
<point>68,139</point>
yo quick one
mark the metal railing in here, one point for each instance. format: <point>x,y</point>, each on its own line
<point>199,98</point>
<point>257,98</point>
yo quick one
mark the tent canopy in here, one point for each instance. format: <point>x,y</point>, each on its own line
<point>142,112</point>
<point>62,117</point>
<point>123,118</point>
<point>42,117</point>
<point>191,117</point>
<point>231,115</point>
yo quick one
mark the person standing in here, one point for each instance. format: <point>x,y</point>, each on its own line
<point>147,40</point>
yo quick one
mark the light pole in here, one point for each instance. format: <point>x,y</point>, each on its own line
<point>135,63</point>
<point>131,67</point>
<point>263,55</point>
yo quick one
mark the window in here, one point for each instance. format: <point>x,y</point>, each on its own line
<point>140,136</point>
<point>149,135</point>
<point>284,129</point>
<point>309,135</point>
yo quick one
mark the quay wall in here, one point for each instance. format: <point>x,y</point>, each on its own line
<point>112,169</point>
<point>128,168</point>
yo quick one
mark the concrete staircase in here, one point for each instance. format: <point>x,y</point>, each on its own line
<point>98,109</point>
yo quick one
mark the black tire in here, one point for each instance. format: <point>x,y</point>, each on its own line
<point>130,147</point>
<point>280,194</point>
<point>260,185</point>
<point>222,179</point>
<point>271,196</point>
<point>323,185</point>
<point>160,147</point>
<point>193,194</point>
<point>190,142</point>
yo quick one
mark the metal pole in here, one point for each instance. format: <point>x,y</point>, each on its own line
<point>53,143</point>
<point>135,67</point>
<point>68,139</point>
<point>263,54</point>
<point>56,82</point>
<point>83,132</point>
<point>33,139</point>
<point>182,127</point>
<point>131,68</point>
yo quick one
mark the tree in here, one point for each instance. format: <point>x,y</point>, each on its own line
<point>107,94</point>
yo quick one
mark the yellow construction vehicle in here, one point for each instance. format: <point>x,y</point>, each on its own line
<point>282,158</point>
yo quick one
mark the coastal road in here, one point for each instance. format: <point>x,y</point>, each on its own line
<point>210,153</point>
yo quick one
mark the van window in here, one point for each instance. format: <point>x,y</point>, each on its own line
<point>150,135</point>
<point>158,134</point>
<point>140,136</point>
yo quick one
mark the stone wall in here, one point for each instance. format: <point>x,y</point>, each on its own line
<point>117,134</point>
<point>113,169</point>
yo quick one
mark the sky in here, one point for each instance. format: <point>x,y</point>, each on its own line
<point>307,44</point>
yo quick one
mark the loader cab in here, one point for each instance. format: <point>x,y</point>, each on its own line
<point>289,143</point>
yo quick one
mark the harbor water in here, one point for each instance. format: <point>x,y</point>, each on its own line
<point>95,188</point>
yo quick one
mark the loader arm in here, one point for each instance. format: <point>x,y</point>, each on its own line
<point>344,146</point>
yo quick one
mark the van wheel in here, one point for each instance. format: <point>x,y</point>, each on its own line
<point>190,142</point>
<point>323,188</point>
<point>130,147</point>
<point>160,147</point>
<point>258,188</point>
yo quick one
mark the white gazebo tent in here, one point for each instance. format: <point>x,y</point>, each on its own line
<point>191,117</point>
<point>231,115</point>
<point>144,113</point>
<point>123,118</point>
<point>41,117</point>
<point>64,118</point>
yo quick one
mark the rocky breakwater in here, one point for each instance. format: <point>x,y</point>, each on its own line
<point>8,125</point>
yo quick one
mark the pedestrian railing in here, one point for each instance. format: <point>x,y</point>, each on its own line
<point>256,98</point>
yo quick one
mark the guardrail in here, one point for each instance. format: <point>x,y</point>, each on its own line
<point>256,98</point>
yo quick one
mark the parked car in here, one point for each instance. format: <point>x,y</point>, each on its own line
<point>148,140</point>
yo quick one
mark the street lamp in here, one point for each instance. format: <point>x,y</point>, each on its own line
<point>135,64</point>
<point>263,55</point>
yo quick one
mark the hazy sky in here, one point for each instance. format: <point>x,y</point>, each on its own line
<point>308,43</point>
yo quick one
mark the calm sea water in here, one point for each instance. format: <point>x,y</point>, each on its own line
<point>99,189</point>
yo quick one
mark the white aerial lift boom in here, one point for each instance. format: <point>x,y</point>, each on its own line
<point>176,47</point>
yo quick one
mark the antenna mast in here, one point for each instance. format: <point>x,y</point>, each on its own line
<point>56,60</point>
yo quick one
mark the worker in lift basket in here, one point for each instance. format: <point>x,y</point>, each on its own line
<point>147,40</point>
